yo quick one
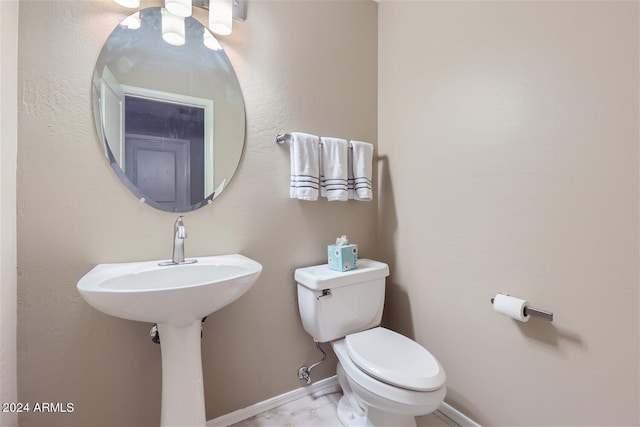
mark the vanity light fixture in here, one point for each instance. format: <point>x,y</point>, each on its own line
<point>131,4</point>
<point>221,16</point>
<point>173,29</point>
<point>239,7</point>
<point>179,7</point>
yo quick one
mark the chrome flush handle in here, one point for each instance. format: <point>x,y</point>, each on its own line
<point>326,293</point>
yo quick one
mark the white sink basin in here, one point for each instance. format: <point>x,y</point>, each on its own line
<point>176,297</point>
<point>175,294</point>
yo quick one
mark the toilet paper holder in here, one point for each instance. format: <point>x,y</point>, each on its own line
<point>532,311</point>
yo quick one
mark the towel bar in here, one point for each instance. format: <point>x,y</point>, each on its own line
<point>281,138</point>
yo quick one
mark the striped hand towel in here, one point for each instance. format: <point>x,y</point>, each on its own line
<point>305,166</point>
<point>333,168</point>
<point>362,158</point>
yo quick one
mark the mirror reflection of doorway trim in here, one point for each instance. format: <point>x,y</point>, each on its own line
<point>112,111</point>
<point>189,101</point>
<point>113,115</point>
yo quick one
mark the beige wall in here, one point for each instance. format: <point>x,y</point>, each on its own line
<point>509,132</point>
<point>74,213</point>
<point>8,152</point>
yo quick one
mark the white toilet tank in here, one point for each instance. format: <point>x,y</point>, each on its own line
<point>334,304</point>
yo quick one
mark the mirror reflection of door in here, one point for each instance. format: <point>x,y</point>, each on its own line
<point>159,168</point>
<point>165,150</point>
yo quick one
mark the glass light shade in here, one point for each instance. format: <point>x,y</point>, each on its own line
<point>132,22</point>
<point>173,31</point>
<point>132,4</point>
<point>221,16</point>
<point>210,41</point>
<point>179,7</point>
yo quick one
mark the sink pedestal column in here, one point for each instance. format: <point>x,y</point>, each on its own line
<point>182,386</point>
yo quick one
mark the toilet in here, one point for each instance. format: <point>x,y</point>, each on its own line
<point>386,378</point>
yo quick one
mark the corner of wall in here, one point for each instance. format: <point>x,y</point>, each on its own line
<point>8,157</point>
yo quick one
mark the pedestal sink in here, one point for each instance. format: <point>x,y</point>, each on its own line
<point>176,297</point>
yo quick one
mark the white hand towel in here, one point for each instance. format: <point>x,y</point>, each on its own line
<point>362,170</point>
<point>333,168</point>
<point>351,190</point>
<point>305,166</point>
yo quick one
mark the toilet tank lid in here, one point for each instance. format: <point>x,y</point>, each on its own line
<point>318,277</point>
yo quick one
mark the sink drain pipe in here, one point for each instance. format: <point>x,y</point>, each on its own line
<point>155,335</point>
<point>304,373</point>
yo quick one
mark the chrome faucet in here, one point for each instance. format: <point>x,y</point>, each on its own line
<point>179,234</point>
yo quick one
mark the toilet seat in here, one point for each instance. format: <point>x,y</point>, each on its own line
<point>384,396</point>
<point>395,359</point>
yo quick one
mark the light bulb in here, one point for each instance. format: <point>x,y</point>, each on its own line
<point>210,41</point>
<point>173,31</point>
<point>132,22</point>
<point>221,16</point>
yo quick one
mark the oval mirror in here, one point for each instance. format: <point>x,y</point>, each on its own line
<point>170,117</point>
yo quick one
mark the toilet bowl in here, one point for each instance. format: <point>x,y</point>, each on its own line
<point>387,379</point>
<point>399,383</point>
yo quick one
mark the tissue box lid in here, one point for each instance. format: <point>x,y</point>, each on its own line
<point>320,277</point>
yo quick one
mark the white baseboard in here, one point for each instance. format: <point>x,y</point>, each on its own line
<point>326,385</point>
<point>457,416</point>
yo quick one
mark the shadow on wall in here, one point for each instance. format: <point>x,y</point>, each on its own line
<point>547,333</point>
<point>397,313</point>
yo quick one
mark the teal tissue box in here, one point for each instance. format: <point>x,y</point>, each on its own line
<point>343,258</point>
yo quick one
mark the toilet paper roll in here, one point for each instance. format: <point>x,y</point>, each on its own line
<point>510,306</point>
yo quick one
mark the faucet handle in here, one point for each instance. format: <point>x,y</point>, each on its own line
<point>181,230</point>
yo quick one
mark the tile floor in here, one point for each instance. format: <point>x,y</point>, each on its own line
<point>320,411</point>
